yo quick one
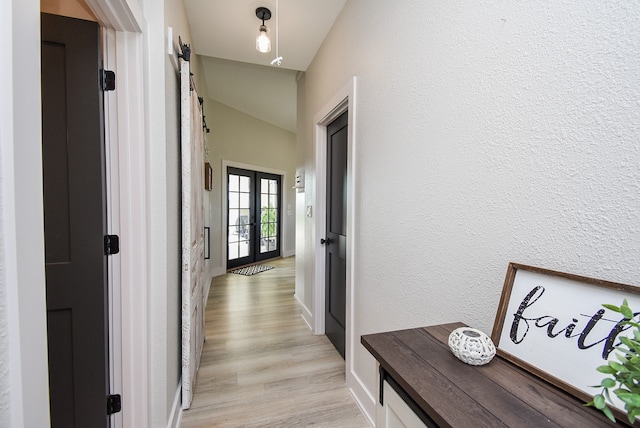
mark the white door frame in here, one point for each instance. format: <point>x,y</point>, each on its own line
<point>25,377</point>
<point>126,139</point>
<point>344,99</point>
<point>22,266</point>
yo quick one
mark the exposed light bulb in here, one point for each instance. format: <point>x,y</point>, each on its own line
<point>263,43</point>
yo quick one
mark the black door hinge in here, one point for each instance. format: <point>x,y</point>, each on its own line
<point>111,244</point>
<point>114,404</point>
<point>107,80</point>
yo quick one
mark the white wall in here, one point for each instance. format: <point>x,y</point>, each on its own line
<point>165,203</point>
<point>24,375</point>
<point>300,203</point>
<point>238,137</point>
<point>487,133</point>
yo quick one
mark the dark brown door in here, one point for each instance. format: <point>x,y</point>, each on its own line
<point>336,239</point>
<point>74,205</point>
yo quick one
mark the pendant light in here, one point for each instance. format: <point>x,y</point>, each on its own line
<point>263,43</point>
<point>278,59</point>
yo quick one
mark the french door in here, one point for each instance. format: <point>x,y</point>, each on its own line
<point>253,216</point>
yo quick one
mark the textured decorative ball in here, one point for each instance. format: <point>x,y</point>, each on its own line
<point>471,346</point>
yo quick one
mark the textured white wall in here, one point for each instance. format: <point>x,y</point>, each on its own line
<point>165,203</point>
<point>6,135</point>
<point>5,363</point>
<point>301,199</point>
<point>487,132</point>
<point>241,138</point>
<point>159,251</point>
<point>24,388</point>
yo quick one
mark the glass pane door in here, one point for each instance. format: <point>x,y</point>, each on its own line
<point>253,228</point>
<point>240,218</point>
<point>269,216</point>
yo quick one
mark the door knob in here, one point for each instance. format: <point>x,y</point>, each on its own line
<point>326,241</point>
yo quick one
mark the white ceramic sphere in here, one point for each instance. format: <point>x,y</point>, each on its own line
<point>471,346</point>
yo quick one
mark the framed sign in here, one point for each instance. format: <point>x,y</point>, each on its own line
<point>553,325</point>
<point>208,176</point>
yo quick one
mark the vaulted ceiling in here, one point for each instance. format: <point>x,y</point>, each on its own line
<point>237,75</point>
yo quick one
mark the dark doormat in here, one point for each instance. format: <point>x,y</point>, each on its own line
<point>251,270</point>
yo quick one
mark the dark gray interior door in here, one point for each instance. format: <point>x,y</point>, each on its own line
<point>74,205</point>
<point>336,238</point>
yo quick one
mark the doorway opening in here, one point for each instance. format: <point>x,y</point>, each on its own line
<point>344,100</point>
<point>335,240</point>
<point>253,216</point>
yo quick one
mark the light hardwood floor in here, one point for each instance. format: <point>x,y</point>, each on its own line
<point>261,365</point>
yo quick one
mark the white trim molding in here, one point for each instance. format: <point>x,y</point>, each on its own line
<point>120,15</point>
<point>305,312</point>
<point>128,212</point>
<point>126,170</point>
<point>175,418</point>
<point>343,100</point>
<point>22,264</point>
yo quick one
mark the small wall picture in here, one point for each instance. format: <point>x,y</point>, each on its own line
<point>208,176</point>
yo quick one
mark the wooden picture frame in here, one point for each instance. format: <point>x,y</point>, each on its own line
<point>553,325</point>
<point>208,176</point>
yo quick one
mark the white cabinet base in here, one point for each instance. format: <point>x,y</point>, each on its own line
<point>395,413</point>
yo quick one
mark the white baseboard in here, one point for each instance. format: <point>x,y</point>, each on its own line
<point>363,398</point>
<point>306,314</point>
<point>218,271</point>
<point>288,253</point>
<point>176,410</point>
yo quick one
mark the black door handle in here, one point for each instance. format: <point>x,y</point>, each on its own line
<point>326,241</point>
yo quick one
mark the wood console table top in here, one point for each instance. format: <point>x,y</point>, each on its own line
<point>455,394</point>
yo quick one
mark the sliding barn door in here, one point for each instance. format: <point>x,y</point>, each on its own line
<point>192,233</point>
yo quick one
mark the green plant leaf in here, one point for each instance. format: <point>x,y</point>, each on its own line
<point>628,397</point>
<point>611,307</point>
<point>624,340</point>
<point>617,367</point>
<point>624,380</point>
<point>608,414</point>
<point>599,402</point>
<point>630,323</point>
<point>626,312</point>
<point>631,400</point>
<point>608,383</point>
<point>629,343</point>
<point>622,358</point>
<point>606,370</point>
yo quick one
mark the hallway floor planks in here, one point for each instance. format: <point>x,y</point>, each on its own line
<point>261,365</point>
